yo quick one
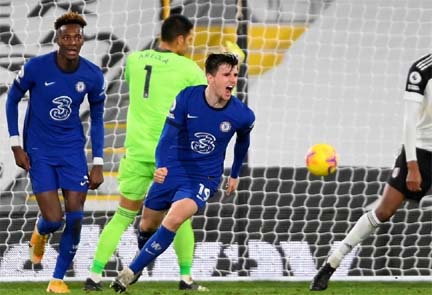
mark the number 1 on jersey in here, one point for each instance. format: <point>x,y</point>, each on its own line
<point>147,81</point>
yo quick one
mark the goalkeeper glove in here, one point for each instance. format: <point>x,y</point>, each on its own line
<point>235,49</point>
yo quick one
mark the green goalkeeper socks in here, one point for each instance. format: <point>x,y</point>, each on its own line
<point>110,238</point>
<point>184,242</point>
<point>184,246</point>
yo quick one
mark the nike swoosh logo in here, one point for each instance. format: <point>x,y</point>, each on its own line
<point>49,83</point>
<point>149,252</point>
<point>191,117</point>
<point>82,183</point>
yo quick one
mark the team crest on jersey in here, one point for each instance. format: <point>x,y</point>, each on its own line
<point>80,86</point>
<point>225,126</point>
<point>415,77</point>
<point>205,143</point>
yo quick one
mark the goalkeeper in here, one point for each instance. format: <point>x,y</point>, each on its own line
<point>154,77</point>
<point>411,175</point>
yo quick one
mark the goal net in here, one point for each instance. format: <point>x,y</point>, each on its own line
<point>316,71</point>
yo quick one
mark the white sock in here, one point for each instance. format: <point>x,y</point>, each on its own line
<point>366,225</point>
<point>95,277</point>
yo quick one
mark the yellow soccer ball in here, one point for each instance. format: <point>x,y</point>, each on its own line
<point>322,159</point>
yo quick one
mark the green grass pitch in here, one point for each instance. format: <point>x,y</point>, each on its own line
<point>238,288</point>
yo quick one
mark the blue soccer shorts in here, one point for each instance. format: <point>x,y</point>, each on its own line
<point>49,173</point>
<point>161,195</point>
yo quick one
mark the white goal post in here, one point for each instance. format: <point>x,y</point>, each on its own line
<point>316,71</point>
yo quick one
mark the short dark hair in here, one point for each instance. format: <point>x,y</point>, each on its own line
<point>70,17</point>
<point>214,60</point>
<point>174,26</point>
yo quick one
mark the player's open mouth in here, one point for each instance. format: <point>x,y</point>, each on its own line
<point>229,88</point>
<point>71,51</point>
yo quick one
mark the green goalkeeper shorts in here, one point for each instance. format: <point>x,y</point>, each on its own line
<point>135,178</point>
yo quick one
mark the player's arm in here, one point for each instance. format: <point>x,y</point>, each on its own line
<point>241,147</point>
<point>240,150</point>
<point>19,87</point>
<point>96,100</point>
<point>414,95</point>
<point>414,179</point>
<point>14,97</point>
<point>170,132</point>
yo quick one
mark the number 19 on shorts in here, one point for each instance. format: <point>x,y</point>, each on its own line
<point>203,193</point>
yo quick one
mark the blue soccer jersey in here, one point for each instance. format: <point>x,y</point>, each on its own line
<point>204,132</point>
<point>52,124</point>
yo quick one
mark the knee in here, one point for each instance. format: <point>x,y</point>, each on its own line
<point>173,222</point>
<point>389,203</point>
<point>383,214</point>
<point>148,225</point>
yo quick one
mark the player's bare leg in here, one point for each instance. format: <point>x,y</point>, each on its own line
<point>179,212</point>
<point>391,200</point>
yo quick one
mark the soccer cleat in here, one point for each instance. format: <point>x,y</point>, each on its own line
<point>321,279</point>
<point>91,285</point>
<point>123,280</point>
<point>183,285</point>
<point>57,286</point>
<point>136,278</point>
<point>138,274</point>
<point>37,246</point>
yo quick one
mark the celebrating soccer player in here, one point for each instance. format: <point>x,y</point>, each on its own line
<point>190,156</point>
<point>155,77</point>
<point>53,137</point>
<point>411,177</point>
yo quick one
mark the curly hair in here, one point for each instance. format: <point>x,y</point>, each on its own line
<point>70,17</point>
